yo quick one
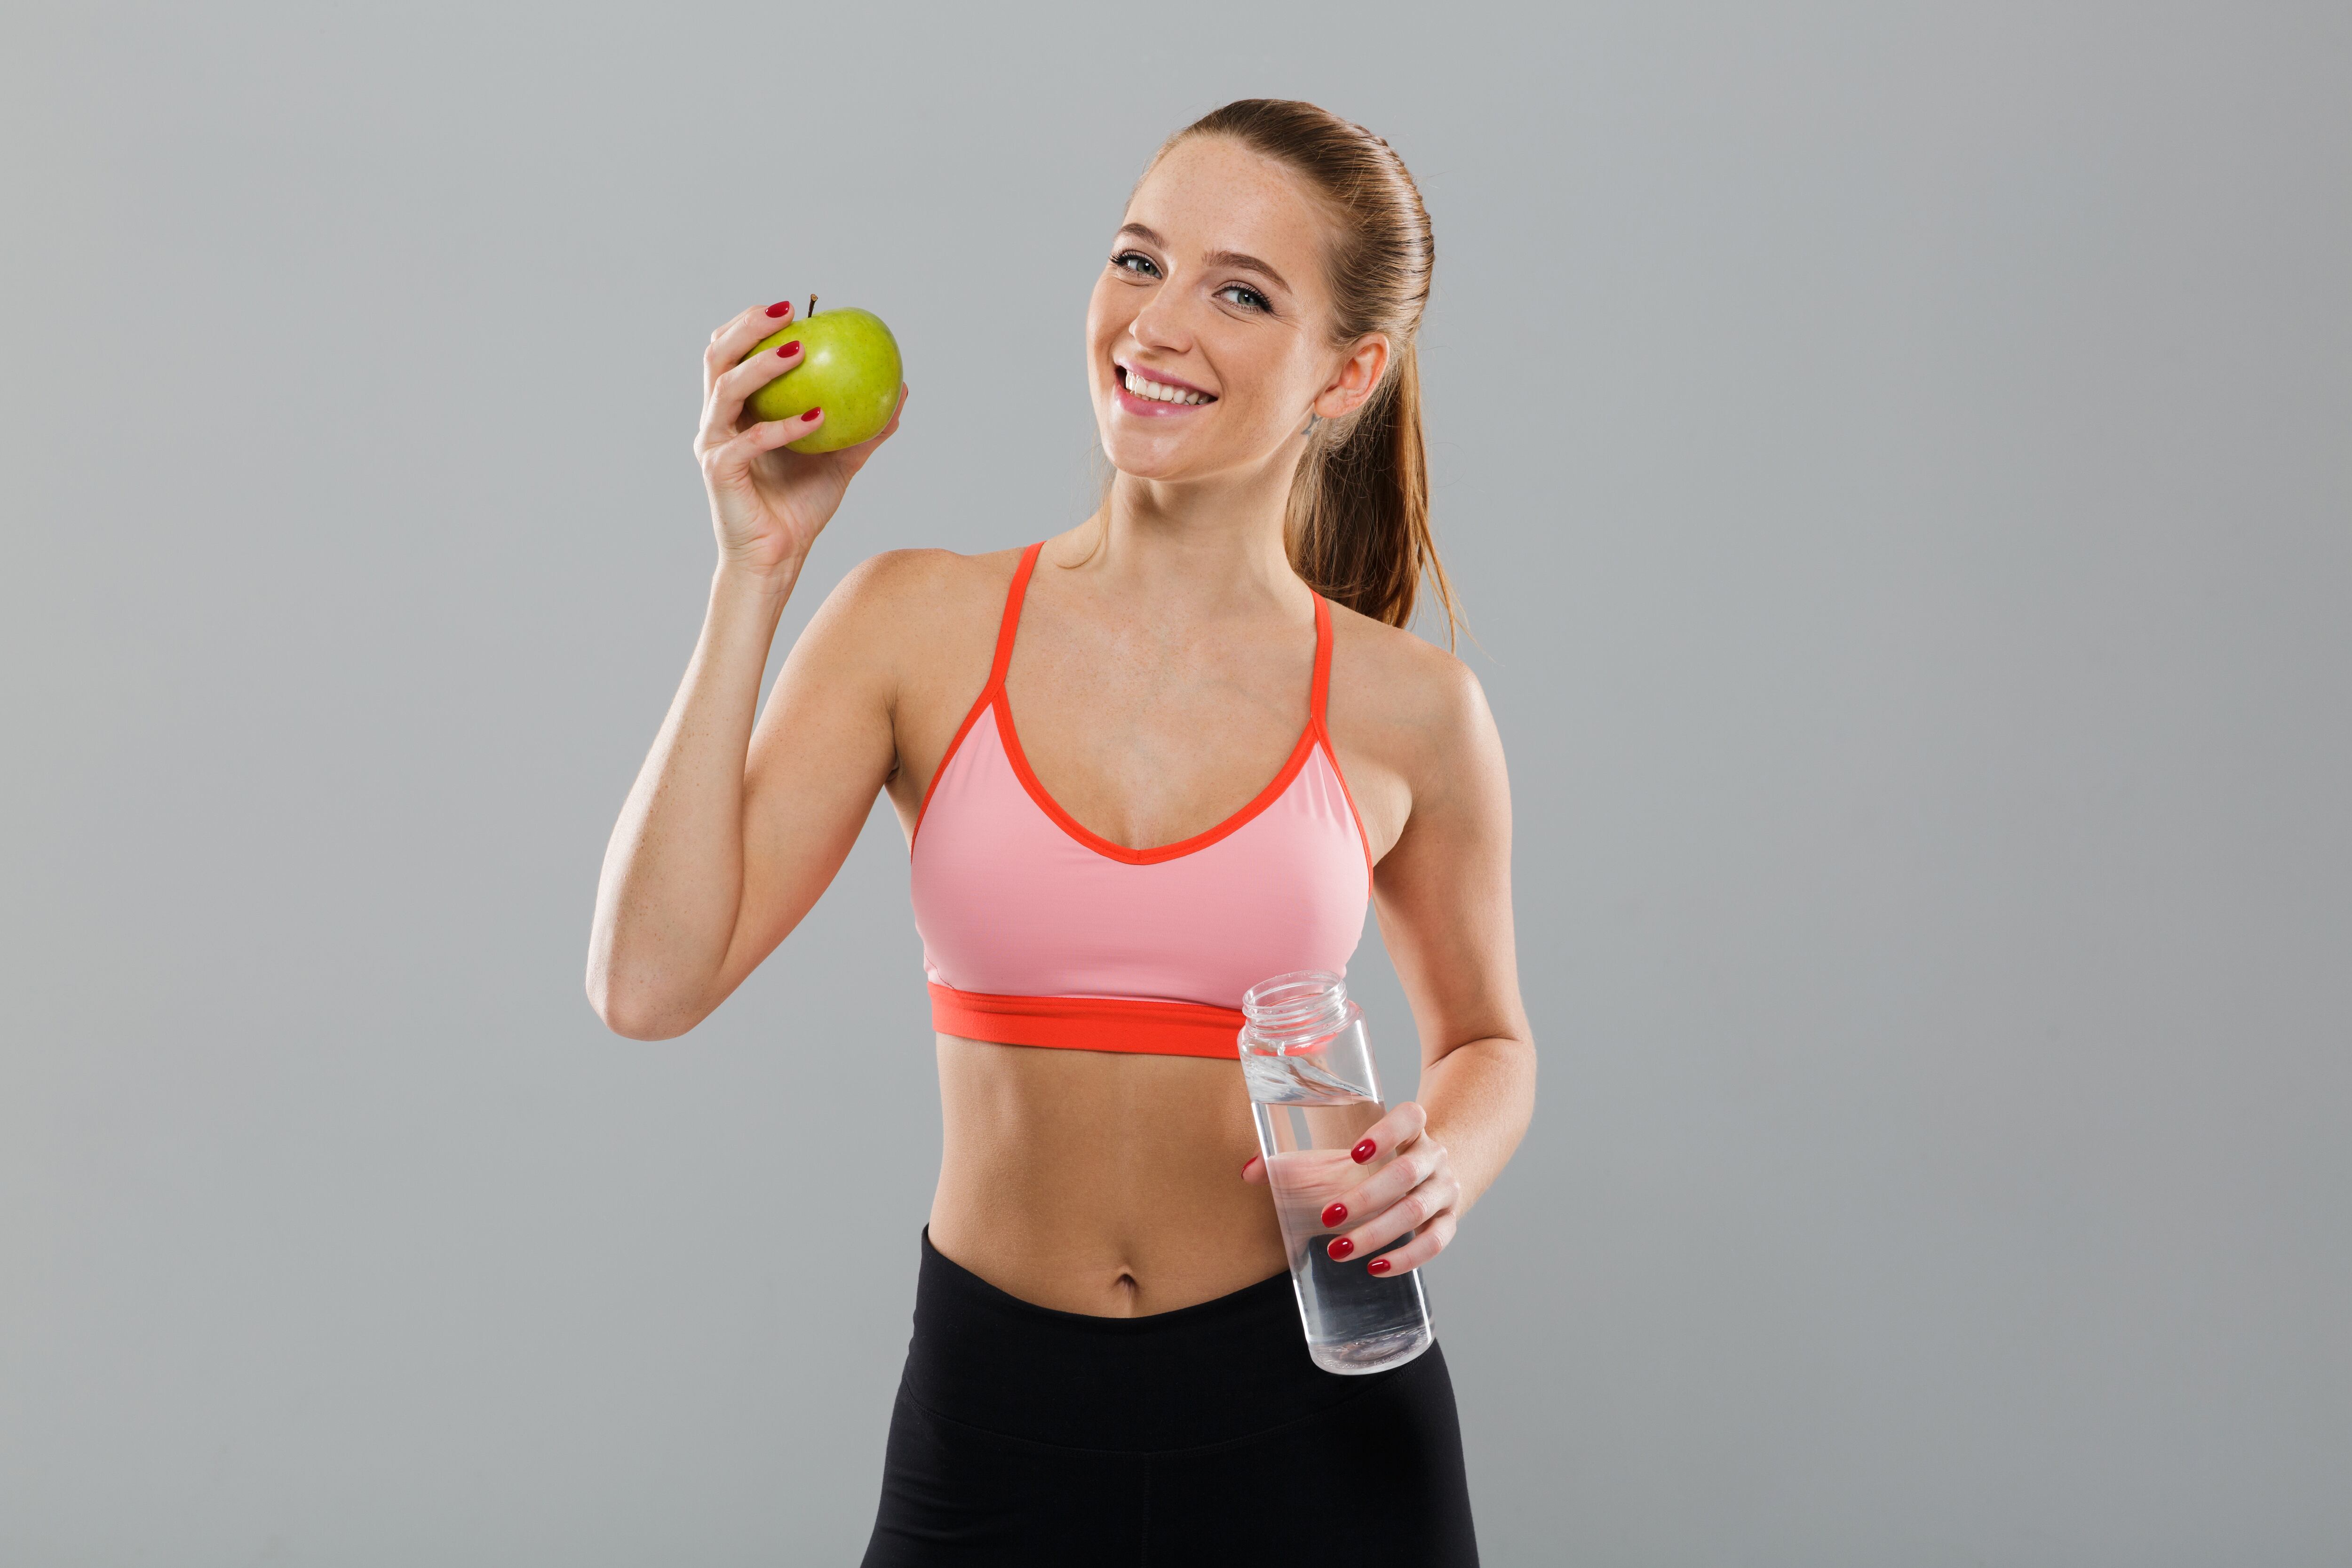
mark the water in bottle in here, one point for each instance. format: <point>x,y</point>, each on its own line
<point>1312,1087</point>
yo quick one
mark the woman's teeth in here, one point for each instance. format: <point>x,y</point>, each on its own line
<point>1160,394</point>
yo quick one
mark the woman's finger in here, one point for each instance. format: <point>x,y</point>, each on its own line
<point>1425,1159</point>
<point>1375,1226</point>
<point>731,343</point>
<point>1253,1171</point>
<point>734,388</point>
<point>733,455</point>
<point>1432,1241</point>
<point>1395,1198</point>
<point>1391,1132</point>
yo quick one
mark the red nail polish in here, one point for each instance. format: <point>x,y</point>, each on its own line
<point>810,417</point>
<point>781,307</point>
<point>1341,1247</point>
<point>1363,1151</point>
<point>787,351</point>
<point>1337,1214</point>
<point>1376,1265</point>
<point>1247,1163</point>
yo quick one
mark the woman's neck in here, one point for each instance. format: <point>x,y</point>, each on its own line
<point>1206,542</point>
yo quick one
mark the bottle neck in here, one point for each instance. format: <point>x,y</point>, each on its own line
<point>1291,1012</point>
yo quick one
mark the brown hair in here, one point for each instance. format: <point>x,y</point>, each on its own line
<point>1358,525</point>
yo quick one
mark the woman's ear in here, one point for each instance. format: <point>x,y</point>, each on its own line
<point>1359,373</point>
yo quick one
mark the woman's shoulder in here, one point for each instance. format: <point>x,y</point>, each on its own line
<point>901,579</point>
<point>1411,726</point>
<point>917,607</point>
<point>1387,678</point>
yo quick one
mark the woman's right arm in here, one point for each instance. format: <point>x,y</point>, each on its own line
<point>683,913</point>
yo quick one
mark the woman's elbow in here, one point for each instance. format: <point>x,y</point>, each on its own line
<point>639,1012</point>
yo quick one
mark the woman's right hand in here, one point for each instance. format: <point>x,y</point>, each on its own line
<point>767,504</point>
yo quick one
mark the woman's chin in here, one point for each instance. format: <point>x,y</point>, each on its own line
<point>1141,458</point>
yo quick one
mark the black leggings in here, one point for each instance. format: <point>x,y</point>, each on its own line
<point>1026,1435</point>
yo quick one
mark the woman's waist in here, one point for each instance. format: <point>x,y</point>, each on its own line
<point>1217,1369</point>
<point>1102,1183</point>
<point>1100,1255</point>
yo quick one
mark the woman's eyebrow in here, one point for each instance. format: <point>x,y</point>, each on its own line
<point>1214,258</point>
<point>1250,263</point>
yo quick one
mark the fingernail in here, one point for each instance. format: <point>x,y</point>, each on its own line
<point>1363,1151</point>
<point>781,307</point>
<point>1336,1215</point>
<point>787,351</point>
<point>1376,1265</point>
<point>1341,1247</point>
<point>810,417</point>
<point>1247,1163</point>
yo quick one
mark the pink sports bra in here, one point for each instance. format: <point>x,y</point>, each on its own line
<point>1037,932</point>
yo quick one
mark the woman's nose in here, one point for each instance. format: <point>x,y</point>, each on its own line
<point>1160,324</point>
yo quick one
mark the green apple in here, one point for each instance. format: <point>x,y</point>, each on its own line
<point>849,367</point>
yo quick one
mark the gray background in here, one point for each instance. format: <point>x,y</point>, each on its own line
<point>1895,458</point>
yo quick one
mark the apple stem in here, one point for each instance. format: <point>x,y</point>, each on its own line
<point>812,310</point>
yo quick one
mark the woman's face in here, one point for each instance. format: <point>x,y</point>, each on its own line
<point>1208,336</point>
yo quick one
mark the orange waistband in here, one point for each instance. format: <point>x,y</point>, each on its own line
<point>1090,1023</point>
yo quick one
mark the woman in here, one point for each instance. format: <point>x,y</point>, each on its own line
<point>1108,1364</point>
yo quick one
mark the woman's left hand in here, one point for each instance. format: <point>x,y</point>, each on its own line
<point>1410,1186</point>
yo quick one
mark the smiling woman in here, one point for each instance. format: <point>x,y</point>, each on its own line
<point>1359,505</point>
<point>1228,750</point>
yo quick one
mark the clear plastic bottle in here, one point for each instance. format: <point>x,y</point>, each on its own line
<point>1312,1087</point>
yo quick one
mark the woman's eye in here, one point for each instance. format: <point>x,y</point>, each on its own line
<point>1135,261</point>
<point>1243,295</point>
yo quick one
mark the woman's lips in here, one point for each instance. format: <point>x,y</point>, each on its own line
<point>1157,407</point>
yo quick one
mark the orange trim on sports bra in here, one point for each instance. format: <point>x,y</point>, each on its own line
<point>1006,628</point>
<point>1129,1025</point>
<point>994,695</point>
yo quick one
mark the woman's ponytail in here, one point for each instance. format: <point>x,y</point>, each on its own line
<point>1359,529</point>
<point>1359,524</point>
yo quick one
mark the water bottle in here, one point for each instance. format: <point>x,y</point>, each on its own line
<point>1308,1064</point>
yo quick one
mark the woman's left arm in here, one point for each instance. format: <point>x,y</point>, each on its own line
<point>1443,896</point>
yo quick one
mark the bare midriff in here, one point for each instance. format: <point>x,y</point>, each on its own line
<point>1099,1182</point>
